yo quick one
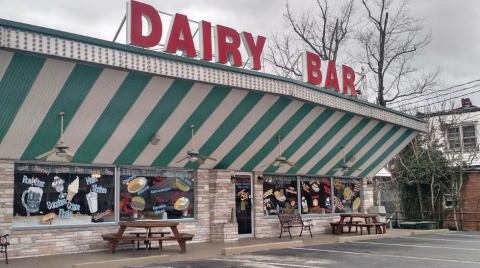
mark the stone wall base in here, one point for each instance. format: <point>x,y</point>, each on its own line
<point>224,232</point>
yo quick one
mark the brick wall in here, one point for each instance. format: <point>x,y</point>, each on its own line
<point>470,201</point>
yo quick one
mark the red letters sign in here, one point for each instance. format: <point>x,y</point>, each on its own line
<point>227,43</point>
<point>227,40</point>
<point>312,74</point>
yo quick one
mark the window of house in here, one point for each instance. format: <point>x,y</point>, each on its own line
<point>156,194</point>
<point>462,137</point>
<point>448,201</point>
<point>469,137</point>
<point>280,194</point>
<point>62,194</point>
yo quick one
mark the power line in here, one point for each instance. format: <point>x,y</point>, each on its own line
<point>445,94</point>
<point>436,91</point>
<point>463,95</point>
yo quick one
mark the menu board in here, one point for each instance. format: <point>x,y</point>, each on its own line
<point>46,194</point>
<point>156,194</point>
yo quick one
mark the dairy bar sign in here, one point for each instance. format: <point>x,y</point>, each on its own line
<point>225,44</point>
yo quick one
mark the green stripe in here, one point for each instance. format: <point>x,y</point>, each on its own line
<point>283,132</point>
<point>15,85</point>
<point>254,132</point>
<point>228,125</point>
<point>357,147</point>
<point>338,147</point>
<point>383,156</point>
<point>198,117</point>
<point>306,134</point>
<point>372,150</point>
<point>71,96</point>
<point>111,117</point>
<point>327,137</point>
<point>157,117</point>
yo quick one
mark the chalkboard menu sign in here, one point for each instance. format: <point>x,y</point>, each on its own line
<point>46,194</point>
<point>156,194</point>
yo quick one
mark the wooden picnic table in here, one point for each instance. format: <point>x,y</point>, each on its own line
<point>370,220</point>
<point>114,239</point>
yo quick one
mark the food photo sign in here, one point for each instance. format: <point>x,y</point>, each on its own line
<point>156,194</point>
<point>46,194</point>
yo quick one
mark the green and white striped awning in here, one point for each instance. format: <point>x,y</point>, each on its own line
<point>112,112</point>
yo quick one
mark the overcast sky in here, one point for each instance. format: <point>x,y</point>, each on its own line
<point>454,49</point>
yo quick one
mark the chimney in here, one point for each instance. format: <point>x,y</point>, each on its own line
<point>466,102</point>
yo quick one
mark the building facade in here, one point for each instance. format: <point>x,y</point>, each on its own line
<point>94,132</point>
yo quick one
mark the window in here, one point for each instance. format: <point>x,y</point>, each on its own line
<point>448,201</point>
<point>316,195</point>
<point>46,194</point>
<point>462,137</point>
<point>279,194</point>
<point>347,195</point>
<point>469,138</point>
<point>156,194</point>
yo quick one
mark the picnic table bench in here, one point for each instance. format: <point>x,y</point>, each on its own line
<point>288,221</point>
<point>147,242</point>
<point>4,246</point>
<point>370,221</point>
<point>120,236</point>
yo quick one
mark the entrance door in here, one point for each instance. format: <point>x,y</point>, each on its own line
<point>243,204</point>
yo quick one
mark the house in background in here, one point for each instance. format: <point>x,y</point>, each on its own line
<point>458,130</point>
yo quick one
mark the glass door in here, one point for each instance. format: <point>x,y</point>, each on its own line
<point>243,204</point>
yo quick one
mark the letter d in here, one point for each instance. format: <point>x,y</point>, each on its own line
<point>135,12</point>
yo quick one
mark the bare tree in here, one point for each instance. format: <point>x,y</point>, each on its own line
<point>390,41</point>
<point>323,34</point>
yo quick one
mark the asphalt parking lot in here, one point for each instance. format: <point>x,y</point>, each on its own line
<point>453,249</point>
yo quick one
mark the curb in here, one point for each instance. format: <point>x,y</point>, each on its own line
<point>261,247</point>
<point>122,262</point>
<point>435,231</point>
<point>361,237</point>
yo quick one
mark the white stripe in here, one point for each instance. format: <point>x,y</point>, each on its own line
<point>242,128</point>
<point>35,107</point>
<point>379,152</point>
<point>376,254</point>
<point>391,155</point>
<point>312,140</point>
<point>211,124</point>
<point>330,144</point>
<point>176,119</point>
<point>266,135</point>
<point>133,120</point>
<point>262,264</point>
<point>291,137</point>
<point>5,58</point>
<point>456,233</point>
<point>368,146</point>
<point>360,135</point>
<point>441,239</point>
<point>413,246</point>
<point>93,106</point>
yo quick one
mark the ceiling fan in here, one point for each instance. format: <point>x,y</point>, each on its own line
<point>60,152</point>
<point>194,155</point>
<point>280,160</point>
<point>347,163</point>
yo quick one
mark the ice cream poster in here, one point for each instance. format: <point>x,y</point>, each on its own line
<point>57,196</point>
